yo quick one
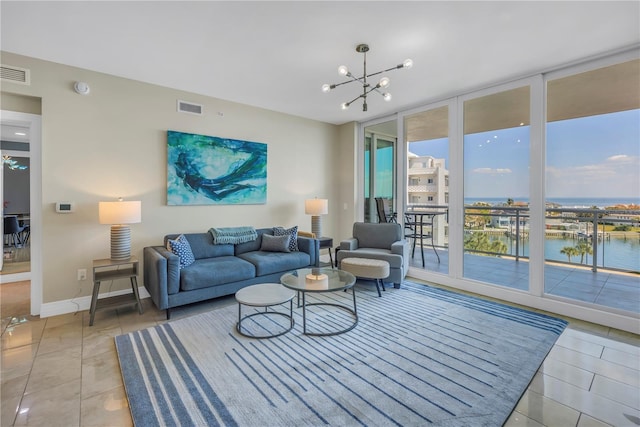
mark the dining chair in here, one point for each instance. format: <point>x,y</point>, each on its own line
<point>13,231</point>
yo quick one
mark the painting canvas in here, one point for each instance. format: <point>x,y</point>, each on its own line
<point>208,170</point>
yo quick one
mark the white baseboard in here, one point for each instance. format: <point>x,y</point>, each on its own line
<point>15,277</point>
<point>82,303</point>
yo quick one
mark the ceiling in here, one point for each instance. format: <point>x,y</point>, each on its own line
<point>277,55</point>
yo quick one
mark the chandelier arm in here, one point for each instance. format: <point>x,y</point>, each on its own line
<point>355,99</point>
<point>384,71</point>
<point>353,79</point>
<point>370,90</point>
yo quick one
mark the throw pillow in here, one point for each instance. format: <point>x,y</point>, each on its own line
<point>275,243</point>
<point>292,233</point>
<point>182,248</point>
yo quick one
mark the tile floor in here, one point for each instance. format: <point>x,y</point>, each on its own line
<point>59,371</point>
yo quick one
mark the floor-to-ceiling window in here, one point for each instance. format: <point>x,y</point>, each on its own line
<point>496,186</point>
<point>593,186</point>
<point>427,187</point>
<point>543,189</point>
<point>379,168</point>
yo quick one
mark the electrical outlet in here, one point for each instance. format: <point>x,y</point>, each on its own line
<point>82,274</point>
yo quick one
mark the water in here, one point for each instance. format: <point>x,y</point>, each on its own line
<point>613,253</point>
<point>616,252</point>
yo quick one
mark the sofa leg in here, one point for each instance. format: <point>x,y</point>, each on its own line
<point>396,285</point>
<point>168,314</point>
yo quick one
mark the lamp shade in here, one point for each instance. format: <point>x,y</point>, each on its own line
<point>120,212</point>
<point>316,206</point>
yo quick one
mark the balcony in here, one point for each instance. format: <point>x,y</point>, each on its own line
<point>424,188</point>
<point>605,274</point>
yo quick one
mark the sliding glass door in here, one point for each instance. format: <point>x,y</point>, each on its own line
<point>379,168</point>
<point>593,186</point>
<point>427,187</point>
<point>496,187</point>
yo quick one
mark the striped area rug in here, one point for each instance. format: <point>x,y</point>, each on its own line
<point>419,356</point>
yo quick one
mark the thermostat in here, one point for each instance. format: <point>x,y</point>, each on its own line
<point>65,207</point>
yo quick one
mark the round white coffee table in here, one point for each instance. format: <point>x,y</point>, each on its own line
<point>264,295</point>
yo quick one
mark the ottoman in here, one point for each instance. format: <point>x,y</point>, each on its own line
<point>367,269</point>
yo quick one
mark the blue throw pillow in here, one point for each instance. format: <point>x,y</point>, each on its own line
<point>275,243</point>
<point>182,249</point>
<point>292,233</point>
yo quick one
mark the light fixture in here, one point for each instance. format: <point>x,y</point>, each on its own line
<point>119,214</point>
<point>315,208</point>
<point>12,164</point>
<point>367,88</point>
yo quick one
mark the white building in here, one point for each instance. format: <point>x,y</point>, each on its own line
<point>428,185</point>
<point>428,181</point>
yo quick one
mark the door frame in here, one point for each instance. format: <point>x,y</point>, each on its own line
<point>34,123</point>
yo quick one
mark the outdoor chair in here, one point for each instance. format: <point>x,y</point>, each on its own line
<point>383,216</point>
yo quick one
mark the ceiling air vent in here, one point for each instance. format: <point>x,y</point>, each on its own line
<point>189,107</point>
<point>15,75</point>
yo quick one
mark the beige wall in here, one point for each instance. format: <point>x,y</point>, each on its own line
<point>112,143</point>
<point>20,103</point>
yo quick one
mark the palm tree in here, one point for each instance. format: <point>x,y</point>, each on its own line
<point>584,248</point>
<point>570,251</point>
<point>481,242</point>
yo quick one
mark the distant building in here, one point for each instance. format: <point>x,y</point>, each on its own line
<point>428,181</point>
<point>428,185</point>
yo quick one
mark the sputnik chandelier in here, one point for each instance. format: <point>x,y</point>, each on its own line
<point>367,88</point>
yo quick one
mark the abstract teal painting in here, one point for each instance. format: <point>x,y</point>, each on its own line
<point>208,170</point>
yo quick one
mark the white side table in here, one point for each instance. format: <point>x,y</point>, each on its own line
<point>264,295</point>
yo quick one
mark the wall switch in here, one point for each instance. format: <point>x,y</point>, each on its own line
<point>82,274</point>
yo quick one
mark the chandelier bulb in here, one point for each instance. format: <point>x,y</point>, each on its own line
<point>386,96</point>
<point>384,82</point>
<point>344,105</point>
<point>343,70</point>
<point>326,87</point>
<point>408,63</point>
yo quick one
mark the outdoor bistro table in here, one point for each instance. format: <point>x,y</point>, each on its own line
<point>416,220</point>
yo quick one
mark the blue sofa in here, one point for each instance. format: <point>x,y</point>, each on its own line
<point>219,269</point>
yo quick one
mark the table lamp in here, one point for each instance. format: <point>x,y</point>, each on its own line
<point>315,208</point>
<point>119,214</point>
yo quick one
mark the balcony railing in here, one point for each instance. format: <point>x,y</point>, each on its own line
<point>422,188</point>
<point>578,224</point>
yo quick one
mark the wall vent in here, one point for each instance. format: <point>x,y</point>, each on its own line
<point>15,74</point>
<point>189,107</point>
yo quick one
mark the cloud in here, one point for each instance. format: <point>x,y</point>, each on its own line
<point>622,158</point>
<point>491,171</point>
<point>613,166</point>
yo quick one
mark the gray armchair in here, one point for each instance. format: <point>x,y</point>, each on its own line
<point>383,241</point>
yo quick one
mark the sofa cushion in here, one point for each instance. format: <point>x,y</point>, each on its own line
<point>274,262</point>
<point>203,247</point>
<point>207,272</point>
<point>275,243</point>
<point>182,249</point>
<point>377,235</point>
<point>241,248</point>
<point>291,232</point>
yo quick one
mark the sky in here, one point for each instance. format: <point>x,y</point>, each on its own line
<point>596,156</point>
